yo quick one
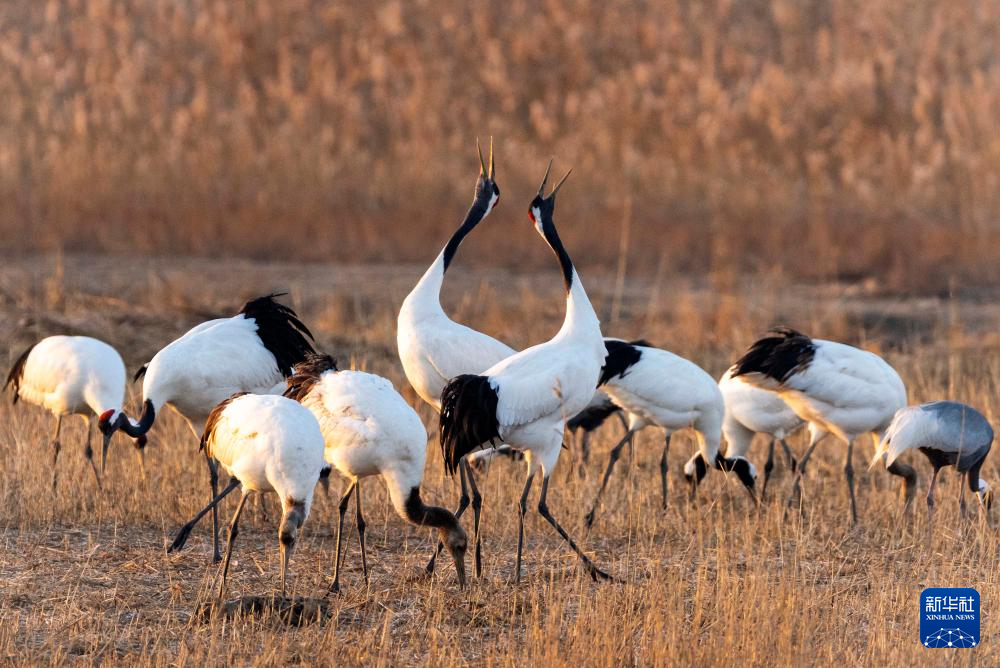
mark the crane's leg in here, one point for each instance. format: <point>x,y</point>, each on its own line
<point>792,463</point>
<point>55,450</point>
<point>140,452</point>
<point>213,475</point>
<point>768,467</point>
<point>477,507</point>
<point>584,449</point>
<point>663,468</point>
<point>463,503</point>
<point>615,454</point>
<point>185,530</point>
<point>234,531</point>
<point>849,477</point>
<point>342,507</point>
<point>88,452</point>
<point>543,509</point>
<point>962,509</point>
<point>361,531</point>
<point>796,495</point>
<point>522,508</point>
<point>930,503</point>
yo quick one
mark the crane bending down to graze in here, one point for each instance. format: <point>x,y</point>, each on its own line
<point>525,399</point>
<point>69,375</point>
<point>433,348</point>
<point>656,387</point>
<point>949,434</point>
<point>251,352</point>
<point>369,430</point>
<point>751,410</point>
<point>267,443</point>
<point>837,388</point>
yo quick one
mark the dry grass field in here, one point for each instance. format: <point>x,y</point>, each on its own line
<point>86,579</point>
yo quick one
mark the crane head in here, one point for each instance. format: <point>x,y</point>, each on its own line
<point>487,190</point>
<point>542,207</point>
<point>457,542</point>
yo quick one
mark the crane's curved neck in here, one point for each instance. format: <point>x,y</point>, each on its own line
<point>580,315</point>
<point>428,516</point>
<point>427,292</point>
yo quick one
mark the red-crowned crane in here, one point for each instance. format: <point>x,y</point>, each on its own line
<point>837,388</point>
<point>948,434</point>
<point>751,410</point>
<point>254,351</point>
<point>433,348</point>
<point>656,387</point>
<point>526,399</point>
<point>268,444</point>
<point>69,375</point>
<point>370,430</point>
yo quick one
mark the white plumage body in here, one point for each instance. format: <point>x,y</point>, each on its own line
<point>208,364</point>
<point>369,429</point>
<point>73,374</point>
<point>271,444</point>
<point>844,390</point>
<point>751,410</point>
<point>673,393</point>
<point>433,348</point>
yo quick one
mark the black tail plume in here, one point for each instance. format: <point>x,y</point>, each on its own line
<point>280,330</point>
<point>779,355</point>
<point>17,372</point>
<point>468,417</point>
<point>140,372</point>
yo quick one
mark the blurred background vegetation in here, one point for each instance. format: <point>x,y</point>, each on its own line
<point>815,139</point>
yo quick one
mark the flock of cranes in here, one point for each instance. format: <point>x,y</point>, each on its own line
<point>278,416</point>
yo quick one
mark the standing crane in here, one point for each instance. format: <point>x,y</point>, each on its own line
<point>526,399</point>
<point>656,387</point>
<point>73,375</point>
<point>836,388</point>
<point>253,351</point>
<point>369,430</point>
<point>433,348</point>
<point>268,444</point>
<point>948,434</point>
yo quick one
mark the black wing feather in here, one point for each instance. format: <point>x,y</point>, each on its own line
<point>17,373</point>
<point>468,417</point>
<point>779,355</point>
<point>280,330</point>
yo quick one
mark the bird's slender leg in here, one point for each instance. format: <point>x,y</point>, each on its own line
<point>361,531</point>
<point>477,506</point>
<point>790,458</point>
<point>234,530</point>
<point>801,471</point>
<point>768,467</point>
<point>185,530</point>
<point>89,454</point>
<point>342,507</point>
<point>543,509</point>
<point>961,495</point>
<point>584,448</point>
<point>140,451</point>
<point>663,468</point>
<point>930,503</point>
<point>615,454</point>
<point>522,508</point>
<point>55,450</point>
<point>213,475</point>
<point>849,477</point>
<point>463,503</point>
